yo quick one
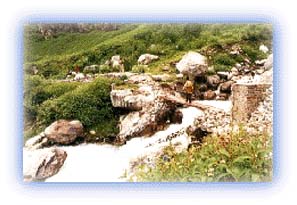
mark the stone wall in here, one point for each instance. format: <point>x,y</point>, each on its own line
<point>245,100</point>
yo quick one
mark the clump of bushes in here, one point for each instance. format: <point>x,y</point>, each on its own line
<point>90,103</point>
<point>37,90</point>
<point>236,157</point>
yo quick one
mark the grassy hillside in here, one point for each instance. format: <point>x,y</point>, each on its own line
<point>54,57</point>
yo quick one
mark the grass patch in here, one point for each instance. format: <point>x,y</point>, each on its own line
<point>238,157</point>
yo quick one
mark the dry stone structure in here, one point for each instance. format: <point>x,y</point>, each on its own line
<point>246,98</point>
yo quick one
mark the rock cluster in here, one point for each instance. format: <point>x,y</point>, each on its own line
<point>213,120</point>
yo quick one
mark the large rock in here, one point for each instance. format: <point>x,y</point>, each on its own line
<point>146,59</point>
<point>64,131</point>
<point>226,86</point>
<point>263,48</point>
<point>116,62</point>
<point>209,95</point>
<point>213,80</point>
<point>146,122</point>
<point>193,64</point>
<point>42,163</point>
<point>129,100</point>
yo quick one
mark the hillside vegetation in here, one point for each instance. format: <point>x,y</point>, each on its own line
<point>56,56</point>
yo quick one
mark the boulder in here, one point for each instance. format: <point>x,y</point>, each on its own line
<point>209,95</point>
<point>129,100</point>
<point>269,62</point>
<point>213,80</point>
<point>79,76</point>
<point>145,122</point>
<point>64,131</point>
<point>192,64</point>
<point>263,48</point>
<point>42,163</point>
<point>226,86</point>
<point>146,59</point>
<point>116,62</point>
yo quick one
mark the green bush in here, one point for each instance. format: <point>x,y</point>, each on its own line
<point>37,90</point>
<point>235,157</point>
<point>223,59</point>
<point>90,103</point>
<point>253,52</point>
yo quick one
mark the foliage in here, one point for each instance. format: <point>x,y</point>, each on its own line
<point>90,103</point>
<point>37,90</point>
<point>55,57</point>
<point>235,157</point>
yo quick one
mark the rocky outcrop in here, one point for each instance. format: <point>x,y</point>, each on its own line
<point>129,100</point>
<point>64,131</point>
<point>193,64</point>
<point>216,121</point>
<point>145,122</point>
<point>42,163</point>
<point>146,59</point>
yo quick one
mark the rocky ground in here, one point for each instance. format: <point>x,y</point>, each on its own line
<point>157,115</point>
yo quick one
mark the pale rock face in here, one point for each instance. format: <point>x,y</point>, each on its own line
<point>42,163</point>
<point>146,59</point>
<point>79,76</point>
<point>193,64</point>
<point>63,131</point>
<point>36,142</point>
<point>263,48</point>
<point>269,62</point>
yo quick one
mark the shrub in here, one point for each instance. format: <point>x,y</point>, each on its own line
<point>223,59</point>
<point>90,103</point>
<point>235,157</point>
<point>37,90</point>
<point>253,52</point>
